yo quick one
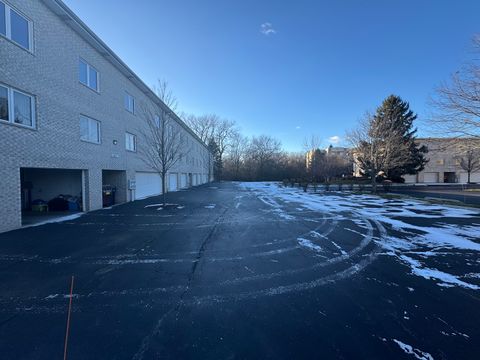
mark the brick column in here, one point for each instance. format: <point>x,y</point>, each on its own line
<point>93,189</point>
<point>10,199</point>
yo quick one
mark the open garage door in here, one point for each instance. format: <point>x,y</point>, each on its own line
<point>147,184</point>
<point>183,181</point>
<point>172,182</point>
<point>50,193</point>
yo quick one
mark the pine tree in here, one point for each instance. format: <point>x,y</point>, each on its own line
<point>394,116</point>
<point>217,159</point>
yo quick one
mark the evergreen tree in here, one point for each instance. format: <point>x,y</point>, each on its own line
<point>217,159</point>
<point>395,117</point>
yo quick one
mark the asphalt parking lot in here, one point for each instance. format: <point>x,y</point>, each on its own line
<point>246,271</point>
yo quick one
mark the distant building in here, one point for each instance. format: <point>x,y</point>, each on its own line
<point>444,162</point>
<point>339,151</point>
<point>444,165</point>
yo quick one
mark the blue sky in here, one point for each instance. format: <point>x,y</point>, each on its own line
<point>316,67</point>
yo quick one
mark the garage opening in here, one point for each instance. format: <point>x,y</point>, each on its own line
<point>47,194</point>
<point>114,187</point>
<point>449,177</point>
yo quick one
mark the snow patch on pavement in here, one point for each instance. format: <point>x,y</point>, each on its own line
<point>409,349</point>
<point>399,215</point>
<point>308,244</point>
<point>56,220</point>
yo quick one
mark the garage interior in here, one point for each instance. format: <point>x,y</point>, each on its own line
<point>47,194</point>
<point>114,187</point>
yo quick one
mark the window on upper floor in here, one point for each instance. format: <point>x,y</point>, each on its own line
<point>17,107</point>
<point>88,75</point>
<point>89,129</point>
<point>130,142</point>
<point>129,103</point>
<point>15,26</point>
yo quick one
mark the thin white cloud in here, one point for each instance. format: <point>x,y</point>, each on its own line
<point>297,127</point>
<point>267,29</point>
<point>334,139</point>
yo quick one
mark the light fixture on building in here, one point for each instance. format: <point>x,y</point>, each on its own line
<point>115,142</point>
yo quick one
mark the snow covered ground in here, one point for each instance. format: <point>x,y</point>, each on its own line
<point>418,234</point>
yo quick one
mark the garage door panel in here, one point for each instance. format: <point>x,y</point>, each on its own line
<point>147,184</point>
<point>474,177</point>
<point>183,181</point>
<point>430,177</point>
<point>172,182</point>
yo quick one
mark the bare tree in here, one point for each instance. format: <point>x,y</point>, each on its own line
<point>204,126</point>
<point>236,154</point>
<point>164,92</point>
<point>213,129</point>
<point>264,154</point>
<point>311,143</point>
<point>211,126</point>
<point>469,158</point>
<point>164,142</point>
<point>377,148</point>
<point>457,102</point>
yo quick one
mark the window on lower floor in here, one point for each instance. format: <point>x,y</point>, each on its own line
<point>130,142</point>
<point>16,107</point>
<point>89,129</point>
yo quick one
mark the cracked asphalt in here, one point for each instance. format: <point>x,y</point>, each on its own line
<point>228,274</point>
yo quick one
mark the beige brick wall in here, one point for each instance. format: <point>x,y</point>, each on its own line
<point>50,74</point>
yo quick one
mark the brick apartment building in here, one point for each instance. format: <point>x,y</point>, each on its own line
<point>69,118</point>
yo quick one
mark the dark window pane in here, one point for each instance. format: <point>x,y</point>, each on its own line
<point>19,26</point>
<point>23,109</point>
<point>4,103</point>
<point>2,19</point>
<point>93,79</point>
<point>82,72</point>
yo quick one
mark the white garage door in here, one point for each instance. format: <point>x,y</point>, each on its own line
<point>148,184</point>
<point>183,181</point>
<point>474,177</point>
<point>194,179</point>
<point>172,182</point>
<point>430,177</point>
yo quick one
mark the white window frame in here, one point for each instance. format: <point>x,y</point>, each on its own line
<point>99,128</point>
<point>132,98</point>
<point>97,89</point>
<point>11,108</point>
<point>8,27</point>
<point>127,142</point>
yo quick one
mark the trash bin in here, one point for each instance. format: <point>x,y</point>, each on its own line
<point>108,195</point>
